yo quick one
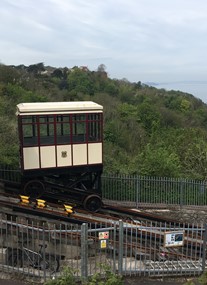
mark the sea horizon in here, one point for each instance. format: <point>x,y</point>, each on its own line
<point>196,88</point>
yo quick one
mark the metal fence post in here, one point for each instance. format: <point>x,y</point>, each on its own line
<point>181,194</point>
<point>43,239</point>
<point>84,250</point>
<point>137,193</point>
<point>121,238</point>
<point>204,248</point>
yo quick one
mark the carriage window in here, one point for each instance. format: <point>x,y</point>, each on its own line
<point>79,128</point>
<point>46,125</point>
<point>94,127</point>
<point>63,129</point>
<point>29,130</point>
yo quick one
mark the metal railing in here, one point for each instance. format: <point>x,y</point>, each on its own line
<point>142,190</point>
<point>10,174</point>
<point>134,191</point>
<point>43,249</point>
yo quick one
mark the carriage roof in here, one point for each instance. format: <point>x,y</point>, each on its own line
<point>57,107</point>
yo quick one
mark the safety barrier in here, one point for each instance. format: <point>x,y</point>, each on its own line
<point>42,249</point>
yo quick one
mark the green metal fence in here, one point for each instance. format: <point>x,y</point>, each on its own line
<point>136,190</point>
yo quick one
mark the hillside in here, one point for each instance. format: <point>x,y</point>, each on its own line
<point>147,131</point>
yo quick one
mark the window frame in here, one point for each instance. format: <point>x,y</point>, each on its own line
<point>81,128</point>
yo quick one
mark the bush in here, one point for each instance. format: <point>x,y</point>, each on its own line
<point>105,278</point>
<point>108,278</point>
<point>66,278</point>
<point>202,280</point>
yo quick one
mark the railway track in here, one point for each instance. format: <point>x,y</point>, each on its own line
<point>58,209</point>
<point>54,207</point>
<point>61,210</point>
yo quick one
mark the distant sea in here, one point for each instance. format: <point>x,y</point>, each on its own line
<point>197,88</point>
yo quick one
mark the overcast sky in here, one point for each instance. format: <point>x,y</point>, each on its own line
<point>140,40</point>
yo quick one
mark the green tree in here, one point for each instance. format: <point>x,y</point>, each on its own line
<point>158,161</point>
<point>101,68</point>
<point>80,81</point>
<point>111,88</point>
<point>36,68</point>
<point>9,149</point>
<point>57,73</point>
<point>185,105</point>
<point>127,111</point>
<point>9,74</point>
<point>148,116</point>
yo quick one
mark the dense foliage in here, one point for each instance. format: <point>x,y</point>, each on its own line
<point>147,131</point>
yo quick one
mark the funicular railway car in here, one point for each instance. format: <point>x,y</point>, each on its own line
<point>61,150</point>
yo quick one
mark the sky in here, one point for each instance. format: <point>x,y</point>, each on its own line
<point>139,40</point>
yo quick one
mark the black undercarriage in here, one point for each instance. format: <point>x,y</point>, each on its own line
<point>79,188</point>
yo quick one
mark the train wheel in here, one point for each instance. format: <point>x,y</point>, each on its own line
<point>34,188</point>
<point>92,203</point>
